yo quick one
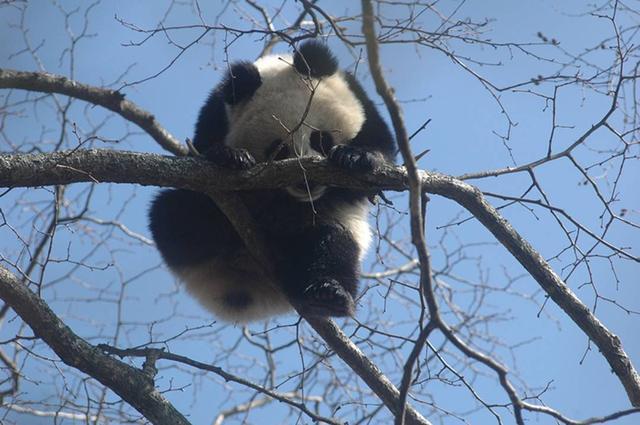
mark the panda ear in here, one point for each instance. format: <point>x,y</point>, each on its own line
<point>241,82</point>
<point>314,59</point>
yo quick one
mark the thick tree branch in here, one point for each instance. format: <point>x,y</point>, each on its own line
<point>131,384</point>
<point>108,166</point>
<point>107,98</point>
<point>191,173</point>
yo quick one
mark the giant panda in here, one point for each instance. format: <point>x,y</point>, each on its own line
<point>280,106</point>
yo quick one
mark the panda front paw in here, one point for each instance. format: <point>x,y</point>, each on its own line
<point>355,158</point>
<point>325,297</point>
<point>226,156</point>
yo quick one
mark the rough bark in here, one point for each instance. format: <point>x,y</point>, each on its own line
<point>191,173</point>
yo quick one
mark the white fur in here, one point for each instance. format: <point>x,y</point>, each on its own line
<point>354,219</point>
<point>210,282</point>
<point>277,110</point>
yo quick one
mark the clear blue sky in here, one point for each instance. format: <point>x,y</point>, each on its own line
<point>462,138</point>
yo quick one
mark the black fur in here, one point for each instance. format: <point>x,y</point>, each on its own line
<point>241,83</point>
<point>212,124</point>
<point>188,228</point>
<point>326,296</point>
<point>326,258</point>
<point>226,156</point>
<point>317,258</point>
<point>314,59</point>
<point>355,158</point>
<point>321,141</point>
<point>374,136</point>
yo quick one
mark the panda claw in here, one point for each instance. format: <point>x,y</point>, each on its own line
<point>229,157</point>
<point>354,158</point>
<point>327,298</point>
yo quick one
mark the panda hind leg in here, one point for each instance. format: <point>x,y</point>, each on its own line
<point>321,271</point>
<point>326,297</point>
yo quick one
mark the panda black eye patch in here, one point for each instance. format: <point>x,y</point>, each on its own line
<point>321,141</point>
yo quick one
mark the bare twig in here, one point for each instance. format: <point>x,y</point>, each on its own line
<point>107,98</point>
<point>416,211</point>
<point>129,383</point>
<point>161,354</point>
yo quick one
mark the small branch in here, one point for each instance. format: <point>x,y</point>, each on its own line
<point>161,354</point>
<point>56,414</point>
<point>589,421</point>
<point>110,99</point>
<point>364,368</point>
<point>416,210</point>
<point>256,403</point>
<point>12,370</point>
<point>129,383</point>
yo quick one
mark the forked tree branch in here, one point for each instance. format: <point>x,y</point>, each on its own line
<point>472,199</point>
<point>190,173</point>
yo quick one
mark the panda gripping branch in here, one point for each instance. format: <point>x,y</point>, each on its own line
<point>276,108</point>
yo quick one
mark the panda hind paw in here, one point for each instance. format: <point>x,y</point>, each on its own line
<point>325,297</point>
<point>355,158</point>
<point>229,157</point>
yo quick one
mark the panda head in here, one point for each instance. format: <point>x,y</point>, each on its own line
<point>288,106</point>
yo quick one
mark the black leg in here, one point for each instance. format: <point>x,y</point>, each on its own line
<point>188,228</point>
<point>319,270</point>
<point>317,267</point>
